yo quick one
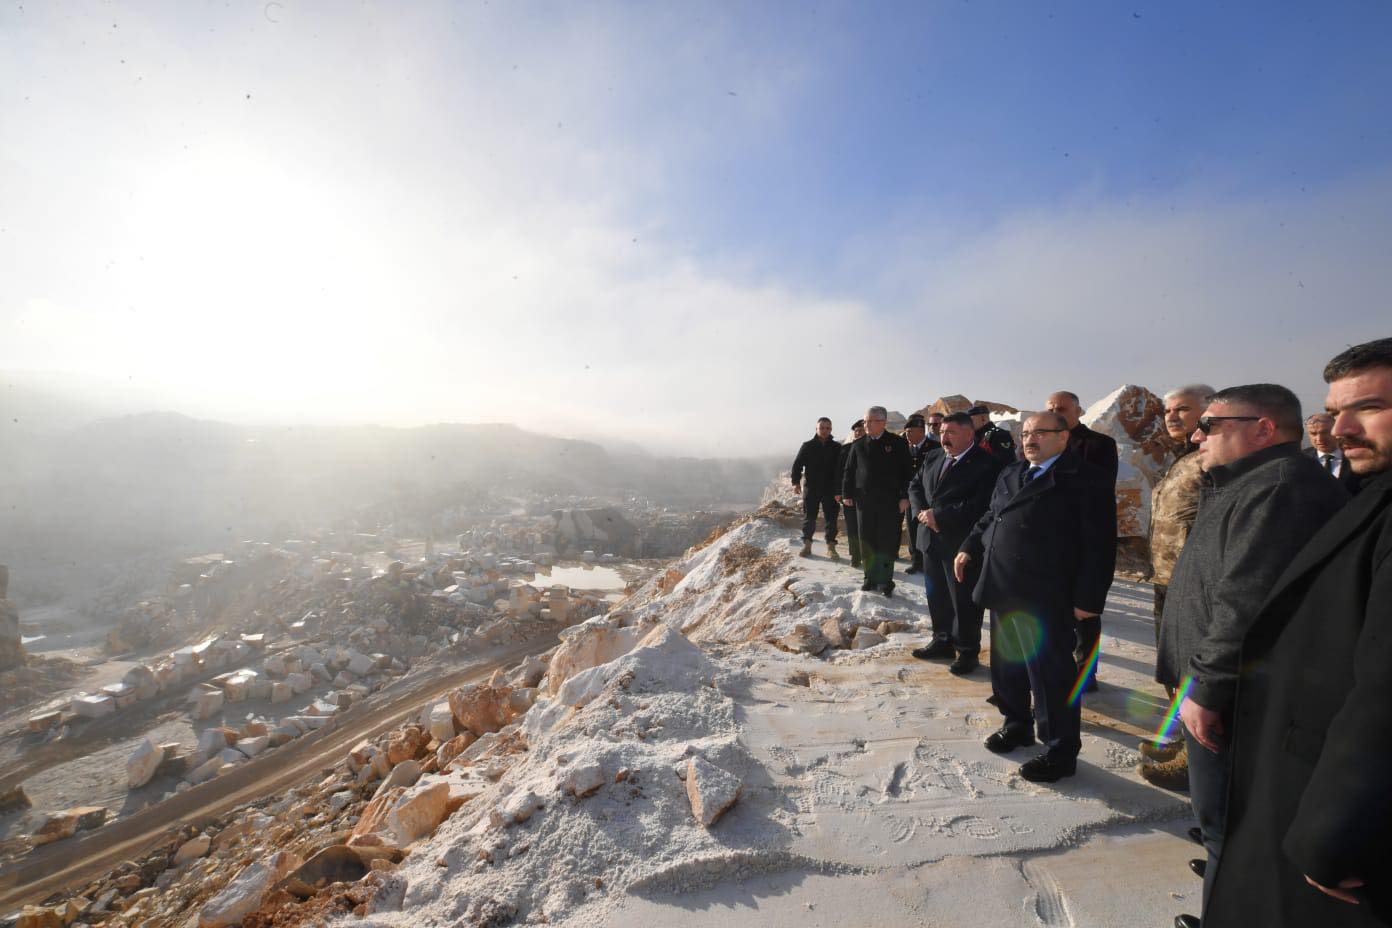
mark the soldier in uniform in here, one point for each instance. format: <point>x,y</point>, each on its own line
<point>876,485</point>
<point>920,446</point>
<point>818,465</point>
<point>990,437</point>
<point>852,523</point>
<point>1173,505</point>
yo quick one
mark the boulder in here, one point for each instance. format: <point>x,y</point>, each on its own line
<point>44,721</point>
<point>441,722</point>
<point>35,916</point>
<point>587,645</point>
<point>93,706</point>
<point>67,823</point>
<point>480,708</point>
<point>374,815</point>
<point>803,639</point>
<point>142,764</point>
<point>300,682</point>
<point>253,746</point>
<point>866,638</point>
<point>710,790</point>
<point>281,691</point>
<point>831,631</point>
<point>247,891</point>
<point>212,741</point>
<point>192,849</point>
<point>419,811</point>
<point>407,744</point>
<point>403,774</point>
<point>453,748</point>
<point>337,863</point>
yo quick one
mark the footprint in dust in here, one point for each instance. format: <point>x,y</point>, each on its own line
<point>901,829</point>
<point>1050,906</point>
<point>974,827</point>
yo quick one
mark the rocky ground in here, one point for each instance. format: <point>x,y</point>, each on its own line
<point>744,739</point>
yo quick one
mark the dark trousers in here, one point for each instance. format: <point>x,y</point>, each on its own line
<point>1160,590</point>
<point>829,507</point>
<point>852,531</point>
<point>880,521</point>
<point>1208,791</point>
<point>1086,636</point>
<point>1032,662</point>
<point>955,617</point>
<point>914,527</point>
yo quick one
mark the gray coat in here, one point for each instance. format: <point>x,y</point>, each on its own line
<point>1254,515</point>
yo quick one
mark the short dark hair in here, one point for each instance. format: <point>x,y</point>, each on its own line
<point>914,422</point>
<point>1071,395</point>
<point>1060,421</point>
<point>1272,400</point>
<point>960,418</point>
<point>1376,353</point>
<point>939,415</point>
<point>824,419</point>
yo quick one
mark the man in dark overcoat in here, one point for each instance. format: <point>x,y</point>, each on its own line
<point>1046,548</point>
<point>950,492</point>
<point>1310,808</point>
<point>1101,450</point>
<point>876,485</point>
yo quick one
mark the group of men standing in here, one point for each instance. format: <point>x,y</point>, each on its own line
<point>1272,569</point>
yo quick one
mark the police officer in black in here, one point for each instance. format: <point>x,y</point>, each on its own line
<point>818,465</point>
<point>852,522</point>
<point>876,485</point>
<point>920,445</point>
<point>991,437</point>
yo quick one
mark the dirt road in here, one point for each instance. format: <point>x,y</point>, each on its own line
<point>70,864</point>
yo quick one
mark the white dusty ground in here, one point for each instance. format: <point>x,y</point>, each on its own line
<point>868,798</point>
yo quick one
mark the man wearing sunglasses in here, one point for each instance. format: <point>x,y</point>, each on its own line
<point>1310,806</point>
<point>1263,501</point>
<point>1045,564</point>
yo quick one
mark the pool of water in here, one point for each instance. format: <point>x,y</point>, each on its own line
<point>581,578</point>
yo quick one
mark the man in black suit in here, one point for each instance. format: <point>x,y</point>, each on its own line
<point>1100,450</point>
<point>950,492</point>
<point>1046,549</point>
<point>1324,448</point>
<point>1309,807</point>
<point>876,486</point>
<point>818,465</point>
<point>852,523</point>
<point>920,445</point>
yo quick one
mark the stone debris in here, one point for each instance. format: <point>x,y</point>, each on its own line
<point>246,892</point>
<point>867,638</point>
<point>712,791</point>
<point>804,639</point>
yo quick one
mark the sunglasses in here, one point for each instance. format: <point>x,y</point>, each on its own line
<point>1206,422</point>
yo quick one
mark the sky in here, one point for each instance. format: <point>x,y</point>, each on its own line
<point>697,226</point>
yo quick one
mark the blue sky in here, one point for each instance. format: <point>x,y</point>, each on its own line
<point>699,225</point>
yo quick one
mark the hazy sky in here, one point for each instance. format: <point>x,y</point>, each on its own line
<point>695,225</point>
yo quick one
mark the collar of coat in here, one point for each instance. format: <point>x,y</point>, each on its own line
<point>1229,473</point>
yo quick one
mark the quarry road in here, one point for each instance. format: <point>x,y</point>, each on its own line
<point>69,864</point>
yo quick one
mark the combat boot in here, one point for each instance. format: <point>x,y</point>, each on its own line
<point>831,551</point>
<point>1172,774</point>
<point>806,549</point>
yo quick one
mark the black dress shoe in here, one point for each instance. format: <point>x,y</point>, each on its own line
<point>1008,739</point>
<point>855,562</point>
<point>1187,921</point>
<point>867,586</point>
<point>1044,769</point>
<point>1198,865</point>
<point>887,590</point>
<point>964,664</point>
<point>1196,835</point>
<point>938,649</point>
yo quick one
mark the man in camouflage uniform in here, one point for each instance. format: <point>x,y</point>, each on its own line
<point>1174,502</point>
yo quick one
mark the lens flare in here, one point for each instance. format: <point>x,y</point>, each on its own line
<point>1166,731</point>
<point>1140,707</point>
<point>1020,636</point>
<point>1088,670</point>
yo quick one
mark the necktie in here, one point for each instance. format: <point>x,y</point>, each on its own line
<point>947,467</point>
<point>1030,474</point>
<point>1329,462</point>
